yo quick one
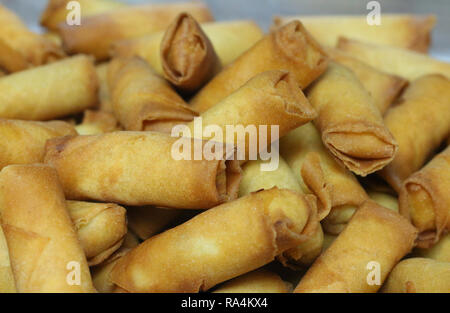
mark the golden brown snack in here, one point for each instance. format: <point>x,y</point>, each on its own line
<point>20,48</point>
<point>229,39</point>
<point>101,228</point>
<point>259,281</point>
<point>135,168</point>
<point>425,199</point>
<point>56,11</point>
<point>383,87</point>
<point>374,234</point>
<point>45,253</point>
<point>217,245</point>
<point>7,283</point>
<point>400,30</point>
<point>97,122</point>
<point>420,122</point>
<point>47,92</point>
<point>419,275</point>
<point>271,98</point>
<point>351,125</point>
<point>289,48</point>
<point>142,100</point>
<point>23,142</point>
<point>384,199</point>
<point>439,252</point>
<point>96,33</point>
<point>338,192</point>
<point>404,63</point>
<point>104,95</point>
<point>187,55</point>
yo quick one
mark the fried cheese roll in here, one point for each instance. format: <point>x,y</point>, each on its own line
<point>135,168</point>
<point>425,199</point>
<point>217,245</point>
<point>142,100</point>
<point>45,253</point>
<point>351,125</point>
<point>374,234</point>
<point>51,91</point>
<point>289,48</point>
<point>96,33</point>
<point>229,39</point>
<point>23,142</point>
<point>101,228</point>
<point>400,30</point>
<point>420,122</point>
<point>97,122</point>
<point>7,282</point>
<point>419,275</point>
<point>20,48</point>
<point>401,62</point>
<point>338,192</point>
<point>187,55</point>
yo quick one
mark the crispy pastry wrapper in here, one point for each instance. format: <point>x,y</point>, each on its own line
<point>420,122</point>
<point>351,125</point>
<point>271,98</point>
<point>187,55</point>
<point>404,63</point>
<point>47,92</point>
<point>219,244</point>
<point>425,199</point>
<point>7,283</point>
<point>101,228</point>
<point>42,241</point>
<point>135,168</point>
<point>338,192</point>
<point>400,30</point>
<point>373,234</point>
<point>142,100</point>
<point>384,199</point>
<point>419,275</point>
<point>104,95</point>
<point>289,48</point>
<point>97,122</point>
<point>259,281</point>
<point>56,11</point>
<point>383,87</point>
<point>439,252</point>
<point>23,142</point>
<point>20,48</point>
<point>96,33</point>
<point>229,39</point>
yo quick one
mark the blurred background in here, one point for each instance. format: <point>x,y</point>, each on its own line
<point>262,11</point>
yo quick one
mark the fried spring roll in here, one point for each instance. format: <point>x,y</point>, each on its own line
<point>101,228</point>
<point>259,281</point>
<point>187,55</point>
<point>96,33</point>
<point>51,91</point>
<point>103,90</point>
<point>23,142</point>
<point>20,48</point>
<point>351,125</point>
<point>56,11</point>
<point>289,48</point>
<point>272,98</point>
<point>419,275</point>
<point>439,252</point>
<point>374,234</point>
<point>384,199</point>
<point>338,192</point>
<point>135,168</point>
<point>383,87</point>
<point>7,283</point>
<point>97,122</point>
<point>217,245</point>
<point>420,122</point>
<point>229,39</point>
<point>399,30</point>
<point>404,63</point>
<point>144,101</point>
<point>425,199</point>
<point>42,241</point>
